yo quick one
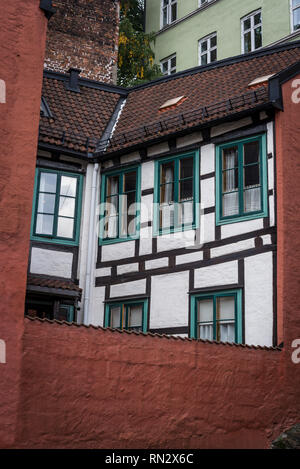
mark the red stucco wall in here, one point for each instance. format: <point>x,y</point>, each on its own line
<point>22,42</point>
<point>101,389</point>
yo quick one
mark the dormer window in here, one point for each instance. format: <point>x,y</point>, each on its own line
<point>45,109</point>
<point>168,12</point>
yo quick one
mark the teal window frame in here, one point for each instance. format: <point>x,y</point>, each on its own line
<point>242,216</point>
<point>120,174</point>
<point>157,231</point>
<point>74,241</point>
<point>237,293</point>
<point>126,303</point>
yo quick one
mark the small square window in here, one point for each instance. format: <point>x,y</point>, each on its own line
<point>131,315</point>
<point>208,49</point>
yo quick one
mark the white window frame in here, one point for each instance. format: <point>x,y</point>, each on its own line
<point>252,29</point>
<point>292,9</point>
<point>168,60</point>
<point>209,48</point>
<point>203,2</point>
<point>169,12</point>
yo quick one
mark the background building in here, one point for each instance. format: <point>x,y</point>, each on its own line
<point>196,32</point>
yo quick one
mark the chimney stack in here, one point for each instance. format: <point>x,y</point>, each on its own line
<point>84,35</point>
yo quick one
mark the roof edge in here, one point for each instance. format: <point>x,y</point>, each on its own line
<point>276,82</point>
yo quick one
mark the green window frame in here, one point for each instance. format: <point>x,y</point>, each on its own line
<point>116,192</point>
<point>179,184</point>
<point>245,201</point>
<point>215,325</point>
<point>125,309</point>
<point>49,202</point>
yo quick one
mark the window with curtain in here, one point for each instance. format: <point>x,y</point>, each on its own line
<point>129,315</point>
<point>175,192</point>
<point>120,205</point>
<point>242,179</point>
<point>217,316</point>
<point>57,206</point>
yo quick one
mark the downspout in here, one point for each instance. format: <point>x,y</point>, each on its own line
<point>90,249</point>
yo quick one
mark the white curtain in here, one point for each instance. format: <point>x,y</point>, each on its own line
<point>112,210</point>
<point>252,199</point>
<point>167,205</point>
<point>231,200</point>
<point>227,332</point>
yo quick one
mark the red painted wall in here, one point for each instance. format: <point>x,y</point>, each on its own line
<point>96,388</point>
<point>22,42</point>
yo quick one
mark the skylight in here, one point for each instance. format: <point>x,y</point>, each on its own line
<point>172,102</point>
<point>260,80</point>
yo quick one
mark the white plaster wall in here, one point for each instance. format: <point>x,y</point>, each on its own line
<point>234,229</point>
<point>179,240</point>
<point>147,175</point>
<point>207,159</point>
<point>195,137</point>
<point>230,248</point>
<point>228,127</point>
<point>191,257</point>
<point>217,275</point>
<point>48,262</point>
<point>207,227</point>
<point>84,225</point>
<point>270,138</point>
<point>103,272</point>
<point>271,173</point>
<point>113,252</point>
<point>272,210</point>
<point>259,299</point>
<point>97,307</point>
<point>157,149</point>
<point>127,268</point>
<point>267,239</point>
<point>146,208</point>
<point>131,157</point>
<point>145,241</point>
<point>157,263</point>
<point>138,287</point>
<point>207,194</point>
<point>169,300</point>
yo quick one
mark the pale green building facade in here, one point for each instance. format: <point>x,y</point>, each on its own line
<point>196,32</point>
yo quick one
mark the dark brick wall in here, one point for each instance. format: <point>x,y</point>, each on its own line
<point>84,34</point>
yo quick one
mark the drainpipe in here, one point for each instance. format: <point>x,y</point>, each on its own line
<point>90,249</point>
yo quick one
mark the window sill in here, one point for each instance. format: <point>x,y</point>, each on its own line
<point>103,242</point>
<point>65,242</point>
<point>253,216</point>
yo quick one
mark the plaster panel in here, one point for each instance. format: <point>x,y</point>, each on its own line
<point>215,275</point>
<point>138,287</point>
<point>113,252</point>
<point>48,262</point>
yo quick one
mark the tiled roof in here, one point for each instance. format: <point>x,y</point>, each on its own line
<point>212,92</point>
<point>151,334</point>
<point>77,117</point>
<point>37,281</point>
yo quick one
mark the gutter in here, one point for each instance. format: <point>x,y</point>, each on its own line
<point>90,249</point>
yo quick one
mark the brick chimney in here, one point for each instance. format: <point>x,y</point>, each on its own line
<point>83,34</point>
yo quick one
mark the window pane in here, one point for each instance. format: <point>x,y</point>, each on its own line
<point>166,215</point>
<point>130,181</point>
<point>186,168</point>
<point>48,182</point>
<point>112,187</point>
<point>213,41</point>
<point>165,67</point>
<point>205,319</point>
<point>204,46</point>
<point>186,213</point>
<point>230,180</point>
<point>68,186</point>
<point>230,158</point>
<point>46,203</point>
<point>128,210</point>
<point>297,19</point>
<point>65,227</point>
<point>167,172</point>
<point>258,37</point>
<point>251,152</point>
<point>252,199</point>
<point>204,59</point>
<point>230,204</point>
<point>247,42</point>
<point>65,313</point>
<point>247,24</point>
<point>66,207</point>
<point>115,317</point>
<point>165,16</point>
<point>213,55</point>
<point>225,316</point>
<point>44,224</point>
<point>186,190</point>
<point>174,12</point>
<point>251,175</point>
<point>257,18</point>
<point>135,317</point>
<point>173,62</point>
